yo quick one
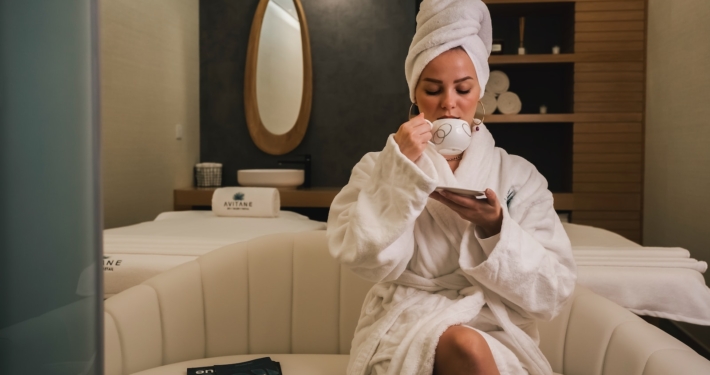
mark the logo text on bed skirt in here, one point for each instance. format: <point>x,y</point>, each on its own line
<point>110,263</point>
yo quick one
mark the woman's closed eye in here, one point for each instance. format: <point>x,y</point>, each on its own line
<point>437,92</point>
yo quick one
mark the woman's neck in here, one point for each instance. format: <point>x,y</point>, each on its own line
<point>453,164</point>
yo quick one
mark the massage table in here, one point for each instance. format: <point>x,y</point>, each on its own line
<point>135,253</point>
<point>658,282</point>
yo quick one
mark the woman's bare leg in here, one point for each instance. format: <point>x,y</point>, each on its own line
<point>462,350</point>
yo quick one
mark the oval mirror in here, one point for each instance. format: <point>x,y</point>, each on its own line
<point>278,79</point>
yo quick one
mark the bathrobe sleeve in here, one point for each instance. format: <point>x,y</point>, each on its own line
<point>531,265</point>
<point>371,220</point>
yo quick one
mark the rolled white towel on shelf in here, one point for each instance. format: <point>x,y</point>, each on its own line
<point>490,103</point>
<point>246,202</point>
<point>509,103</point>
<point>498,82</point>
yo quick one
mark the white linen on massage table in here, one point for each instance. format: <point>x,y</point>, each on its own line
<point>196,230</point>
<point>135,253</point>
<point>659,282</point>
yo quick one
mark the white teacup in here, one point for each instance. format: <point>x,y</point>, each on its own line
<point>450,136</point>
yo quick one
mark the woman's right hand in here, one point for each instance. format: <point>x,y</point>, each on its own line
<point>412,137</point>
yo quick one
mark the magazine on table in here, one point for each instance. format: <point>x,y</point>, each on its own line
<point>259,366</point>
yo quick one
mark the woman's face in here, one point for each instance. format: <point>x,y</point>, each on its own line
<point>448,87</point>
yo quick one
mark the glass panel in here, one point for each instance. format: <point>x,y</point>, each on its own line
<point>50,280</point>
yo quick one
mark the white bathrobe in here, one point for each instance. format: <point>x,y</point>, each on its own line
<point>432,269</point>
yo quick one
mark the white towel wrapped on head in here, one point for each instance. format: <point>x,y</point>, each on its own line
<point>446,24</point>
<point>246,201</point>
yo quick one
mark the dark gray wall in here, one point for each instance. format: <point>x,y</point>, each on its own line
<point>360,94</point>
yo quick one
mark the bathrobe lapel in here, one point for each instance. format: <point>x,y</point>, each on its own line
<point>473,173</point>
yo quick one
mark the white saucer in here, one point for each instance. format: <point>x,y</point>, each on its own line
<point>465,192</point>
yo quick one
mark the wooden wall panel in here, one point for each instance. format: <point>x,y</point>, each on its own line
<point>610,107</point>
<point>607,202</point>
<point>608,46</point>
<point>596,6</point>
<point>606,177</point>
<point>608,100</point>
<point>607,170</point>
<point>606,187</point>
<point>610,148</point>
<point>609,56</point>
<point>611,224</point>
<point>609,36</point>
<point>608,127</point>
<point>608,215</point>
<point>609,67</point>
<point>608,77</point>
<point>607,158</point>
<point>607,167</point>
<point>608,96</point>
<point>582,27</point>
<point>624,15</point>
<point>599,137</point>
<point>608,87</point>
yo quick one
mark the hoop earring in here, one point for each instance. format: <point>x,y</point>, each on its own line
<point>482,118</point>
<point>410,111</point>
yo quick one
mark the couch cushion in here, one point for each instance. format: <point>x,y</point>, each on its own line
<point>291,364</point>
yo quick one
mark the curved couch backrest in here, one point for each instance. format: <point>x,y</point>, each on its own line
<point>284,293</point>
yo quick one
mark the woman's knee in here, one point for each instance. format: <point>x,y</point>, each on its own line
<point>464,347</point>
<point>465,343</point>
<point>462,350</point>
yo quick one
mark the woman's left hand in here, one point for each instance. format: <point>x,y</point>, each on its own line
<point>486,214</point>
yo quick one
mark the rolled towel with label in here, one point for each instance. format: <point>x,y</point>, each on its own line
<point>246,202</point>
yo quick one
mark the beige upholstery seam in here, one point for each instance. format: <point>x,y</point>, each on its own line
<point>248,250</point>
<point>613,332</point>
<point>569,318</point>
<point>120,342</point>
<point>162,328</point>
<point>293,289</point>
<point>339,322</point>
<point>204,308</point>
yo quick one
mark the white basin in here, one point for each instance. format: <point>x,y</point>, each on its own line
<point>279,178</point>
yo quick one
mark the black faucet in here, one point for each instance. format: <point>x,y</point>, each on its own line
<point>306,162</point>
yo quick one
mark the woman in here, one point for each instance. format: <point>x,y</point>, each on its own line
<point>460,281</point>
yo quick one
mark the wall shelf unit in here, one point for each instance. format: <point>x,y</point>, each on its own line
<point>564,118</point>
<point>531,59</point>
<point>579,57</point>
<point>597,91</point>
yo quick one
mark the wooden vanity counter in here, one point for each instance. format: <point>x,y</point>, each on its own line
<point>316,197</point>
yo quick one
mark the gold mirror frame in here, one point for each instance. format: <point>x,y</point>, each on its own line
<point>265,140</point>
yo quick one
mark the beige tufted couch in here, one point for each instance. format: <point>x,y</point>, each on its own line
<point>284,296</point>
